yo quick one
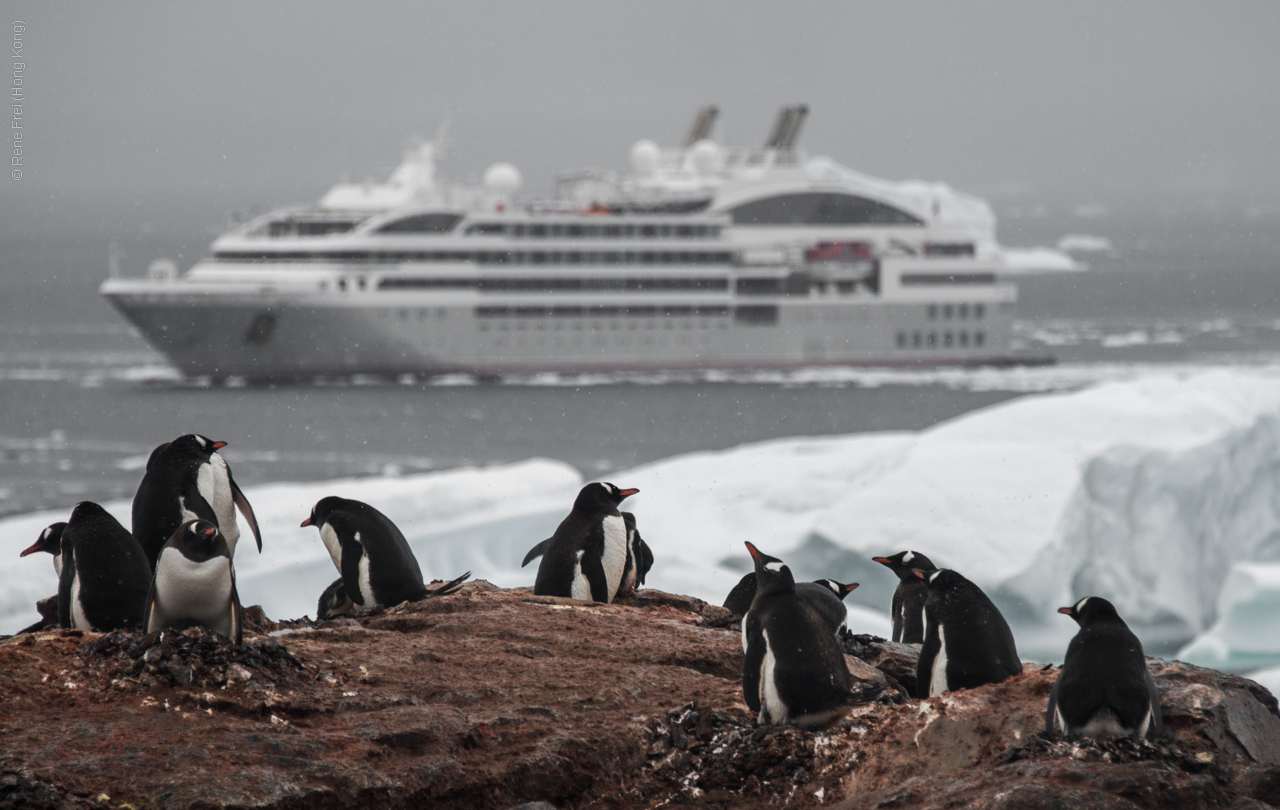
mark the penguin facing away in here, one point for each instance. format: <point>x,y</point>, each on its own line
<point>587,556</point>
<point>793,672</point>
<point>105,577</point>
<point>195,582</point>
<point>370,552</point>
<point>334,602</point>
<point>639,557</point>
<point>967,642</point>
<point>1104,687</point>
<point>187,479</point>
<point>910,595</point>
<point>50,542</point>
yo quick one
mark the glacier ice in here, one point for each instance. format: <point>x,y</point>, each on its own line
<point>1247,629</point>
<point>1145,491</point>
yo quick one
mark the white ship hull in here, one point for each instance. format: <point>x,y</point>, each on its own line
<point>270,331</point>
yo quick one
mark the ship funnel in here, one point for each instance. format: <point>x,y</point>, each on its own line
<point>702,124</point>
<point>786,128</point>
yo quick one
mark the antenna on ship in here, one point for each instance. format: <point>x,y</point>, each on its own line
<point>702,124</point>
<point>786,127</point>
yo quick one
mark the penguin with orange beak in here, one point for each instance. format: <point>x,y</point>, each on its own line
<point>586,558</point>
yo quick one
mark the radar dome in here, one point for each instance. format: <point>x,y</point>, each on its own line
<point>706,156</point>
<point>502,177</point>
<point>644,157</point>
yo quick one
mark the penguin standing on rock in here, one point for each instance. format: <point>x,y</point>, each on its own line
<point>793,672</point>
<point>910,595</point>
<point>195,582</point>
<point>586,558</point>
<point>1104,688</point>
<point>967,643</point>
<point>105,577</point>
<point>50,542</point>
<point>187,479</point>
<point>377,566</point>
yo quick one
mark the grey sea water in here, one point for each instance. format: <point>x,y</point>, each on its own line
<point>83,399</point>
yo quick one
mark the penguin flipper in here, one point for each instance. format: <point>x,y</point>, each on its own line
<point>1049,719</point>
<point>237,612</point>
<point>1156,729</point>
<point>352,553</point>
<point>242,503</point>
<point>592,565</point>
<point>536,552</point>
<point>928,652</point>
<point>447,588</point>
<point>149,606</point>
<point>64,586</point>
<point>752,661</point>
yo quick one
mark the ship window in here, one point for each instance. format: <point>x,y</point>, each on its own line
<point>915,340</point>
<point>820,208</point>
<point>423,223</point>
<point>901,340</point>
<point>538,231</point>
<point>946,340</point>
<point>486,228</point>
<point>946,312</point>
<point>932,311</point>
<point>756,315</point>
<point>964,338</point>
<point>978,311</point>
<point>962,311</point>
<point>979,338</point>
<point>931,340</point>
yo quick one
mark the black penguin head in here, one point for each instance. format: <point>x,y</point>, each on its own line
<point>601,497</point>
<point>50,541</point>
<point>193,444</point>
<point>772,575</point>
<point>839,589</point>
<point>321,511</point>
<point>1090,609</point>
<point>905,562</point>
<point>86,511</point>
<point>198,540</point>
<point>937,577</point>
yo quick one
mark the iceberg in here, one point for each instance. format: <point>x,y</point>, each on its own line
<point>1146,492</point>
<point>1247,631</point>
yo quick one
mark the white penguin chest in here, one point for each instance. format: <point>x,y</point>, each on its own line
<point>78,619</point>
<point>366,589</point>
<point>186,589</point>
<point>213,481</point>
<point>938,674</point>
<point>615,553</point>
<point>775,711</point>
<point>329,537</point>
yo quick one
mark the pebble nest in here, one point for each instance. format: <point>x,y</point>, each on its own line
<point>717,755</point>
<point>194,657</point>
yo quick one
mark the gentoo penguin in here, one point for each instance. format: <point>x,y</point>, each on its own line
<point>826,596</point>
<point>334,602</point>
<point>793,672</point>
<point>195,582</point>
<point>1104,688</point>
<point>909,596</point>
<point>639,557</point>
<point>105,577</point>
<point>51,542</point>
<point>377,566</point>
<point>967,642</point>
<point>187,479</point>
<point>587,555</point>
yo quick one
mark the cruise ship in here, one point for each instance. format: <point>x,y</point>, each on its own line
<point>702,256</point>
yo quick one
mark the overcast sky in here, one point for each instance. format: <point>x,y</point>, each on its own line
<point>178,114</point>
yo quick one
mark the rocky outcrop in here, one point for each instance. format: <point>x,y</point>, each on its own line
<point>491,699</point>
